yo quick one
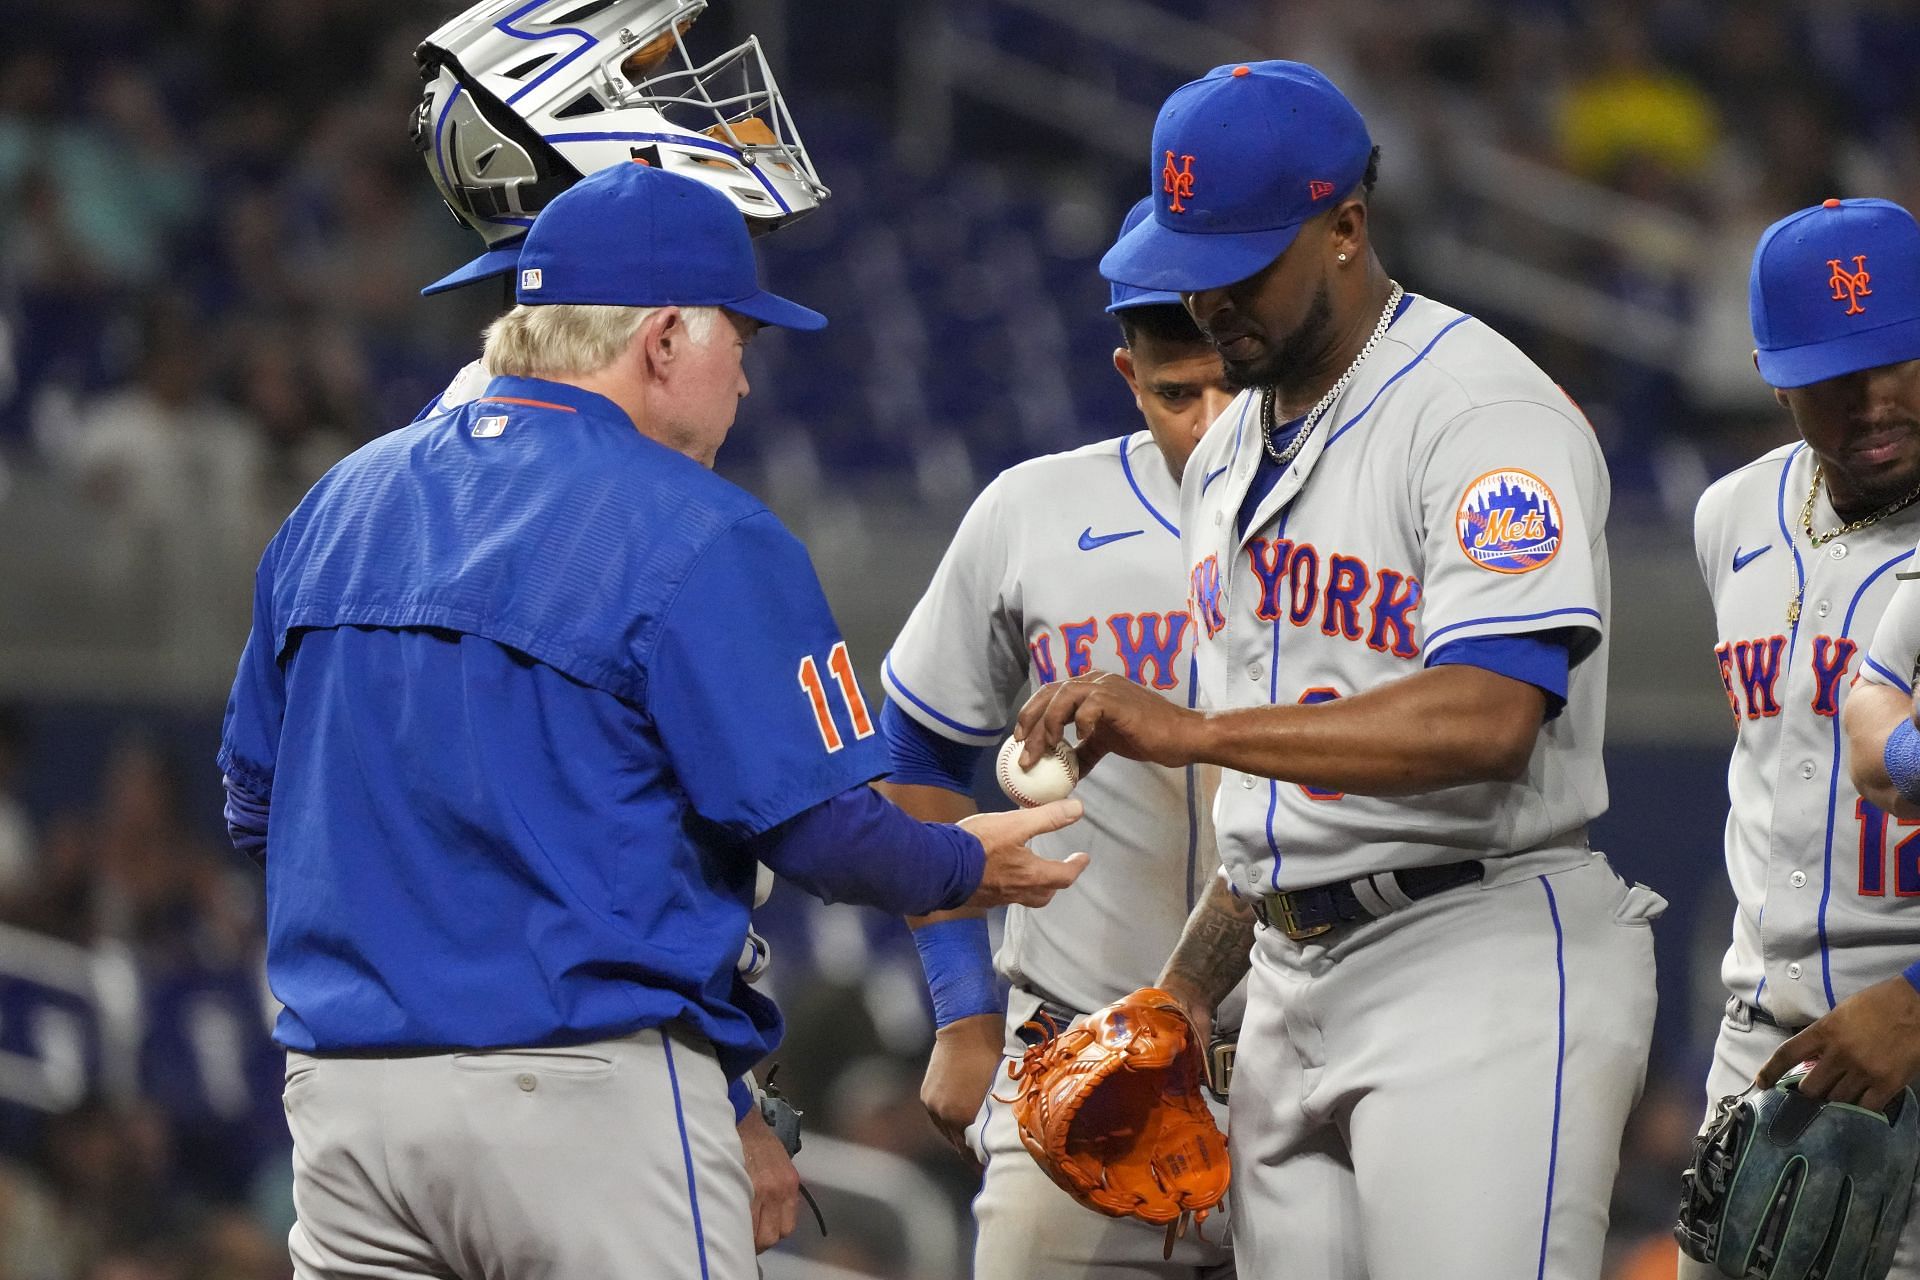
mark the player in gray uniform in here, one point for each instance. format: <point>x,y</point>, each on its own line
<point>1401,602</point>
<point>1064,563</point>
<point>1801,550</point>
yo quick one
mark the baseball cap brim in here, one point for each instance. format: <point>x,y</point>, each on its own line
<point>494,262</point>
<point>1153,256</point>
<point>771,308</point>
<point>1802,366</point>
<point>1126,298</point>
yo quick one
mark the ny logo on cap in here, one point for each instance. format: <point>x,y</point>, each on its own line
<point>1850,286</point>
<point>1177,182</point>
<point>530,278</point>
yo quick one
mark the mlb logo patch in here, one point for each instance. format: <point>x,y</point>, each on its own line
<point>487,428</point>
<point>1509,522</point>
<point>530,278</point>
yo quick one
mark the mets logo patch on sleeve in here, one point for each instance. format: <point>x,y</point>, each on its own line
<point>1509,522</point>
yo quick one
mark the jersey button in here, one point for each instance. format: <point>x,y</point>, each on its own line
<point>1806,769</point>
<point>1793,971</point>
<point>1246,782</point>
<point>1798,879</point>
<point>526,1082</point>
<point>1824,608</point>
<point>1253,672</point>
<point>1838,551</point>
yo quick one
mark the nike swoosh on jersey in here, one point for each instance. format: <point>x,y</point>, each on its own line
<point>1742,561</point>
<point>1089,543</point>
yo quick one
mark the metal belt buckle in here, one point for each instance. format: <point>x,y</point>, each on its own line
<point>1291,925</point>
<point>1220,1066</point>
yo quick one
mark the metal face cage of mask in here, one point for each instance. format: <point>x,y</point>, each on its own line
<point>524,98</point>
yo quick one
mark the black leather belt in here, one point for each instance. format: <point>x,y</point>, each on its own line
<point>1308,913</point>
<point>1736,1007</point>
<point>1048,1021</point>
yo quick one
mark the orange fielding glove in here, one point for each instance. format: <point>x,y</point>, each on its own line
<point>1113,1112</point>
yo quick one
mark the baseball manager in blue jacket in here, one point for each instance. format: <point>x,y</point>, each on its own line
<point>529,692</point>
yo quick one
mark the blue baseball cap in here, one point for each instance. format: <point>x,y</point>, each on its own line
<point>494,262</point>
<point>1835,289</point>
<point>1124,296</point>
<point>631,235</point>
<point>1241,158</point>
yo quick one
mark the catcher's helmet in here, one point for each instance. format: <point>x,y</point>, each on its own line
<point>523,97</point>
<point>1788,1187</point>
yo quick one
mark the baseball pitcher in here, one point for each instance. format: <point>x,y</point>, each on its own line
<point>1397,574</point>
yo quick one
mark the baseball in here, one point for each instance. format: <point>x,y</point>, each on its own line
<point>1052,777</point>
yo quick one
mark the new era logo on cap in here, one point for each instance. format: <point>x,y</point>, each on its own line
<point>530,278</point>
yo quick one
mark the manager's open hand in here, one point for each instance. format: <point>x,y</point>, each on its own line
<point>1015,873</point>
<point>1113,716</point>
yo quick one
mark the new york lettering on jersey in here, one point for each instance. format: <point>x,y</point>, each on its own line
<point>1495,498</point>
<point>1049,576</point>
<point>1820,874</point>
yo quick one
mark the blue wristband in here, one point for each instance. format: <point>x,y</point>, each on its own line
<point>1902,758</point>
<point>959,966</point>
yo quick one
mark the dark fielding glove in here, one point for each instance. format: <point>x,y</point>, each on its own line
<point>1785,1186</point>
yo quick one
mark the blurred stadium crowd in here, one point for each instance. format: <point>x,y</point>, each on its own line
<point>212,225</point>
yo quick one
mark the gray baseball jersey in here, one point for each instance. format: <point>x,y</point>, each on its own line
<point>1893,656</point>
<point>1822,877</point>
<point>1482,1045</point>
<point>1064,564</point>
<point>1453,492</point>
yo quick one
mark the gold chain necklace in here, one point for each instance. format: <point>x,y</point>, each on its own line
<point>1821,539</point>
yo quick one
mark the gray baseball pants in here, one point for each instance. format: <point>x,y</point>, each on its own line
<point>614,1159</point>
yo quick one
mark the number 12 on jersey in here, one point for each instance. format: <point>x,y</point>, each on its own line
<point>1873,854</point>
<point>840,667</point>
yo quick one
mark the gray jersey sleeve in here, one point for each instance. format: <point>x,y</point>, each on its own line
<point>1513,499</point>
<point>961,661</point>
<point>1893,656</point>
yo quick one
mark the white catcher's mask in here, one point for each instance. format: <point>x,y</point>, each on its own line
<point>524,97</point>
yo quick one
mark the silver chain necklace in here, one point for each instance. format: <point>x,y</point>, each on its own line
<point>1267,425</point>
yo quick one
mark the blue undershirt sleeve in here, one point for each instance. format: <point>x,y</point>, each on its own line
<point>859,848</point>
<point>1541,659</point>
<point>922,758</point>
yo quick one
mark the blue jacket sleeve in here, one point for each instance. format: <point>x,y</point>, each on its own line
<point>751,688</point>
<point>250,731</point>
<point>857,847</point>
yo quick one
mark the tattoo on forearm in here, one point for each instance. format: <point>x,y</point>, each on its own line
<point>1215,948</point>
